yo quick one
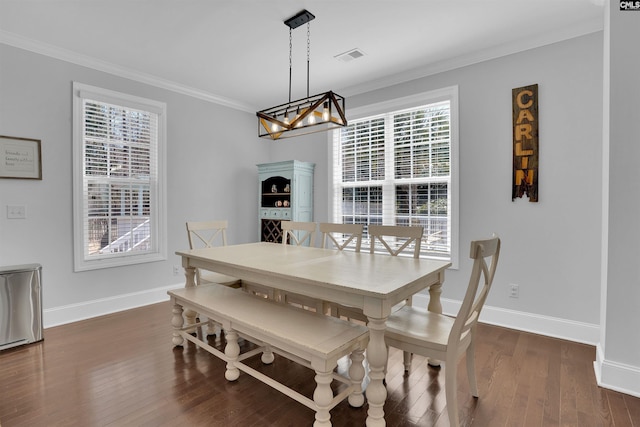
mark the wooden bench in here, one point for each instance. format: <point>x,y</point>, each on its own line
<point>311,339</point>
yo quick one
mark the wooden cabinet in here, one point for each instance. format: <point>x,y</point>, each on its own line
<point>285,193</point>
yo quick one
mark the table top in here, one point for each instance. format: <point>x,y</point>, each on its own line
<point>365,274</point>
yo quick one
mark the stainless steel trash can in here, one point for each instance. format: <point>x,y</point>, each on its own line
<point>20,305</point>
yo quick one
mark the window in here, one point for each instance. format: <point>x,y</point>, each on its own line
<point>118,148</point>
<point>396,164</point>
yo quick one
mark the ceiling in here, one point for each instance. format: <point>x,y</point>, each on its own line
<point>236,52</point>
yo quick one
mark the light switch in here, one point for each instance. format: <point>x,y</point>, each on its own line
<point>16,211</point>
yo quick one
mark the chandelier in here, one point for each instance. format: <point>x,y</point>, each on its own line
<point>312,114</point>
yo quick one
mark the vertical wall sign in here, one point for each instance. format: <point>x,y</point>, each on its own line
<point>525,142</point>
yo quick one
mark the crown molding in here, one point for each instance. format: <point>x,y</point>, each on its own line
<point>505,49</point>
<point>41,48</point>
<point>578,30</point>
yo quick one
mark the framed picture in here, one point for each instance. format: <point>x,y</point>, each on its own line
<point>20,158</point>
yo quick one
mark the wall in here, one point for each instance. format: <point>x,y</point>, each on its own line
<point>543,243</point>
<point>211,156</point>
<point>618,357</point>
<point>550,248</point>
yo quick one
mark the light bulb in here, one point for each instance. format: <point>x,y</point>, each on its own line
<point>325,113</point>
<point>299,123</point>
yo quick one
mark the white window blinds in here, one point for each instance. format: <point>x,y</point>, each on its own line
<point>395,169</point>
<point>118,211</point>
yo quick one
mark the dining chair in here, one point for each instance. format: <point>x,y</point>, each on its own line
<point>393,239</point>
<point>298,233</point>
<point>340,236</point>
<point>416,330</point>
<point>207,234</point>
<point>396,239</point>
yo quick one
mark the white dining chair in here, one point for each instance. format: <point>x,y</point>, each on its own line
<point>393,240</point>
<point>207,234</point>
<point>298,233</point>
<point>341,236</point>
<point>416,330</point>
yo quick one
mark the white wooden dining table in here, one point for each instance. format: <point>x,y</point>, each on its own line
<point>371,282</point>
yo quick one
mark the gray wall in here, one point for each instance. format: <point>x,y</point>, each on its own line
<point>550,248</point>
<point>618,361</point>
<point>211,156</point>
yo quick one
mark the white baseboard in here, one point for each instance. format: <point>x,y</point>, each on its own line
<point>616,376</point>
<point>88,309</point>
<point>534,323</point>
<point>570,330</point>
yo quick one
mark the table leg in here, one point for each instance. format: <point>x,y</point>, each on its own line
<point>377,356</point>
<point>435,306</point>
<point>190,315</point>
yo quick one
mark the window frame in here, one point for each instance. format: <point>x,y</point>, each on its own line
<point>157,198</point>
<point>371,110</point>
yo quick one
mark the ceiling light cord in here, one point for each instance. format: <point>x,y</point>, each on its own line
<point>290,63</point>
<point>308,54</point>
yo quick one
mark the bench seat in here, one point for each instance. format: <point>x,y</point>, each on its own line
<point>312,339</point>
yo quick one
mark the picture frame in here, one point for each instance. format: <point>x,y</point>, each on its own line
<point>20,158</point>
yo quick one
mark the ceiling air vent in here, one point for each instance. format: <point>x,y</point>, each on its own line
<point>350,55</point>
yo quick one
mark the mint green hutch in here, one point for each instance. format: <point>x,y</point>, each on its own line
<point>285,193</point>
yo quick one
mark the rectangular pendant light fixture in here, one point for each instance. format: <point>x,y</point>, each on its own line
<point>312,114</point>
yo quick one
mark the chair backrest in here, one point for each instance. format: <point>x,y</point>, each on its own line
<point>207,233</point>
<point>298,233</point>
<point>475,297</point>
<point>396,238</point>
<point>345,234</point>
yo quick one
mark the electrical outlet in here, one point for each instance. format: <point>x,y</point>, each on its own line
<point>514,291</point>
<point>176,270</point>
<point>16,211</point>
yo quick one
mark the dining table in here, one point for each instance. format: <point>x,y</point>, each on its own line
<point>374,283</point>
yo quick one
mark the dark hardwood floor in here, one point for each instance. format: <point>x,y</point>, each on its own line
<point>121,370</point>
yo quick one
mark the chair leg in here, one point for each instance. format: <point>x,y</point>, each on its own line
<point>471,368</point>
<point>451,390</point>
<point>267,355</point>
<point>406,357</point>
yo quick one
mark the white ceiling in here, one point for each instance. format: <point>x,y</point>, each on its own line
<point>236,52</point>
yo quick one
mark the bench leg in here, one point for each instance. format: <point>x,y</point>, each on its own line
<point>177,321</point>
<point>323,396</point>
<point>356,374</point>
<point>190,273</point>
<point>232,351</point>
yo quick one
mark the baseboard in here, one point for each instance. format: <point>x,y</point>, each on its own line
<point>616,376</point>
<point>534,323</point>
<point>75,312</point>
<point>570,330</point>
